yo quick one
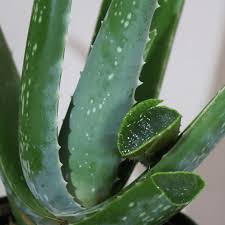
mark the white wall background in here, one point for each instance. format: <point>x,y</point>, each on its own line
<point>196,71</point>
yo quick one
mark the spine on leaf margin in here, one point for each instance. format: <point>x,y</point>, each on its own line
<point>105,90</point>
<point>152,201</point>
<point>11,173</point>
<point>161,37</point>
<point>39,149</point>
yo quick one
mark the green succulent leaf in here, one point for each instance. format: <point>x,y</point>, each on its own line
<point>113,67</point>
<point>165,22</point>
<point>152,201</point>
<point>102,13</point>
<point>147,131</point>
<point>152,38</point>
<point>39,149</point>
<point>156,55</point>
<point>198,140</point>
<point>25,215</point>
<point>10,167</point>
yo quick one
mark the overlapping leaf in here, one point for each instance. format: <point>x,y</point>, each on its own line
<point>165,22</point>
<point>152,201</point>
<point>147,131</point>
<point>10,167</point>
<point>39,98</point>
<point>103,96</point>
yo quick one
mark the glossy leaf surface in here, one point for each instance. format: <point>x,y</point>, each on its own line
<point>147,130</point>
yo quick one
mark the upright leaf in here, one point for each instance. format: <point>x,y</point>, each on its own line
<point>10,166</point>
<point>156,55</point>
<point>198,140</point>
<point>39,98</point>
<point>165,23</point>
<point>102,13</point>
<point>103,96</point>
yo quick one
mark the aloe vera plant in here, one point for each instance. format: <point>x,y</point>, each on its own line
<point>114,120</point>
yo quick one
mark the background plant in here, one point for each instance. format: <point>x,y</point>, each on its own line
<point>92,165</point>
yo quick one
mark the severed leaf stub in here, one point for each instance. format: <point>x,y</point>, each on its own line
<point>147,131</point>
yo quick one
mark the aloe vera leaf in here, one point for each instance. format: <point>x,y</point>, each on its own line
<point>126,166</point>
<point>20,217</point>
<point>102,13</point>
<point>165,22</point>
<point>152,38</point>
<point>9,149</point>
<point>151,201</point>
<point>39,149</point>
<point>156,55</point>
<point>198,140</point>
<point>25,215</point>
<point>105,90</point>
<point>147,130</point>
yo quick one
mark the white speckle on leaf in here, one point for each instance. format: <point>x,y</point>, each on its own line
<point>35,47</point>
<point>110,77</point>
<point>129,16</point>
<point>126,24</point>
<point>40,19</point>
<point>131,204</point>
<point>119,49</point>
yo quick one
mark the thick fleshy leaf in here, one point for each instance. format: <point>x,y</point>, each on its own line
<point>26,216</point>
<point>156,55</point>
<point>103,96</point>
<point>165,22</point>
<point>39,98</point>
<point>10,166</point>
<point>152,201</point>
<point>147,131</point>
<point>102,13</point>
<point>126,166</point>
<point>198,140</point>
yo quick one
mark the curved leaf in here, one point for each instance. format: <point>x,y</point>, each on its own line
<point>147,130</point>
<point>26,216</point>
<point>198,140</point>
<point>156,55</point>
<point>39,98</point>
<point>151,201</point>
<point>105,90</point>
<point>165,22</point>
<point>10,166</point>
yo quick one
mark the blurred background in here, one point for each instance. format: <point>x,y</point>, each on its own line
<point>195,73</point>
